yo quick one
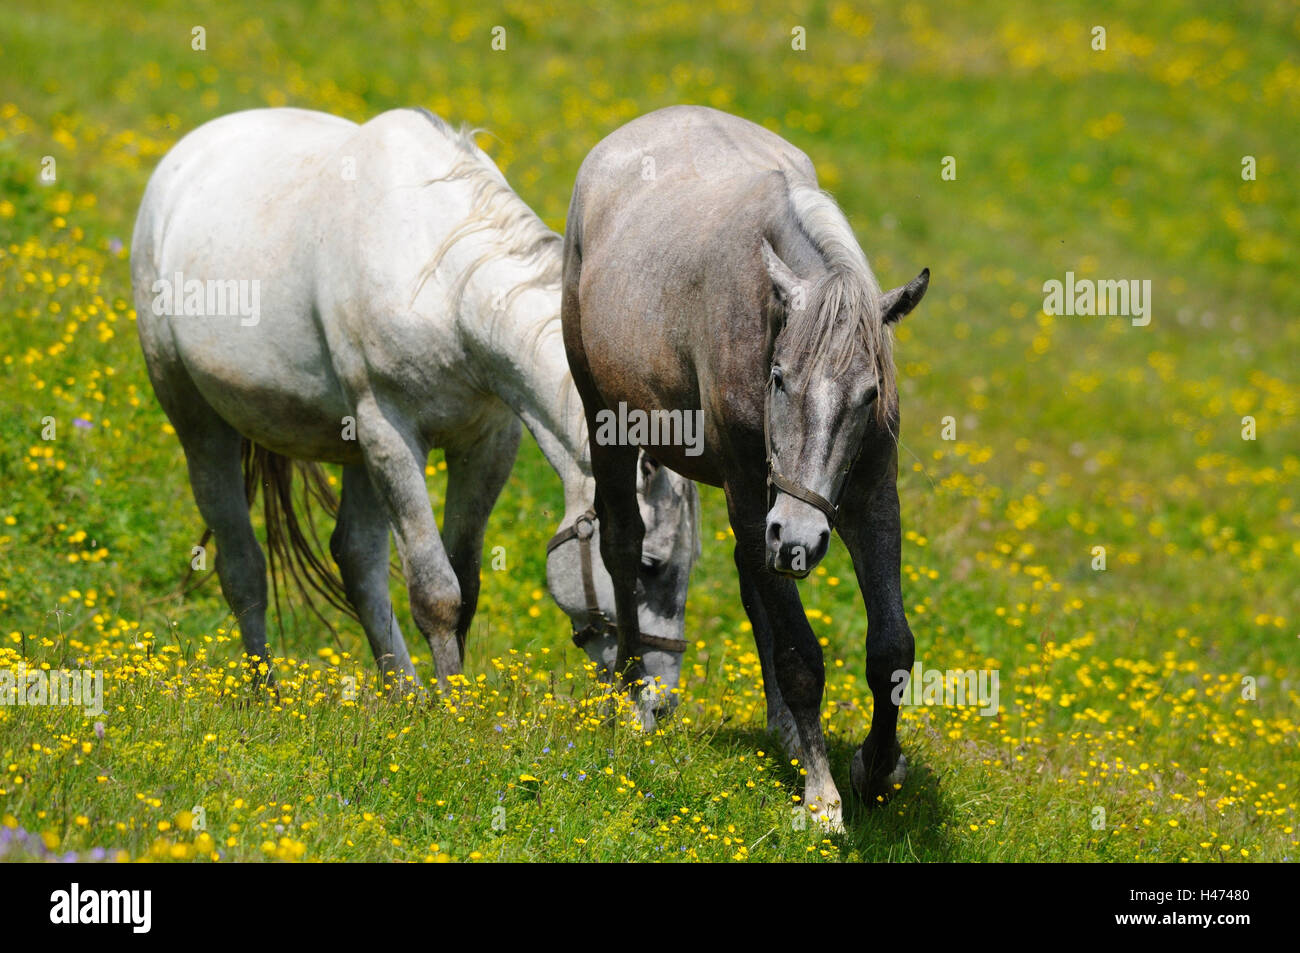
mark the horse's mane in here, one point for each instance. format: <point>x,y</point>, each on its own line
<point>849,289</point>
<point>513,229</point>
<point>515,232</point>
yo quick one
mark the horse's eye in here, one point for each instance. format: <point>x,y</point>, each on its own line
<point>778,381</point>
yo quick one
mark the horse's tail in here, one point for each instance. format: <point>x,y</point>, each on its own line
<point>293,550</point>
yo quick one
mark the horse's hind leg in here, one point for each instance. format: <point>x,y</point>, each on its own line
<point>359,545</point>
<point>475,478</point>
<point>212,453</point>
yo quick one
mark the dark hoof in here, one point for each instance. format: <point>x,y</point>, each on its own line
<point>875,777</point>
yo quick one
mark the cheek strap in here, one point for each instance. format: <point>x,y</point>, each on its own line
<point>774,479</point>
<point>583,529</point>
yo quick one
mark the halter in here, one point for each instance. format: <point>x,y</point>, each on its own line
<point>583,528</point>
<point>775,479</point>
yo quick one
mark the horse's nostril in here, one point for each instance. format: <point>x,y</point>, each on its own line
<point>774,532</point>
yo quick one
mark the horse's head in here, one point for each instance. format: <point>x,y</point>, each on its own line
<point>831,379</point>
<point>669,506</point>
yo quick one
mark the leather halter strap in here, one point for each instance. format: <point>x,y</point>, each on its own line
<point>774,479</point>
<point>583,529</point>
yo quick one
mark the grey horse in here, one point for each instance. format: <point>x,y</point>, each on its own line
<point>705,271</point>
<point>309,289</point>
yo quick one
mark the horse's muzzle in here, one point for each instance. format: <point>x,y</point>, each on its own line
<point>797,539</point>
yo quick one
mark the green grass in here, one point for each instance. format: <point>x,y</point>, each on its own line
<point>1121,690</point>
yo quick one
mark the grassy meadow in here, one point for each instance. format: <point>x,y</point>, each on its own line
<point>1148,711</point>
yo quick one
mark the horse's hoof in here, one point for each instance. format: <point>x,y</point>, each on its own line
<point>830,818</point>
<point>878,789</point>
<point>644,715</point>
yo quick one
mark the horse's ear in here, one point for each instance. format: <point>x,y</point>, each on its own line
<point>784,281</point>
<point>897,304</point>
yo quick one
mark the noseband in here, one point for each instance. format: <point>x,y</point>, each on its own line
<point>775,479</point>
<point>583,529</point>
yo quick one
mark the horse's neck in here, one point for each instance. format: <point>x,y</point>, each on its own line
<point>521,345</point>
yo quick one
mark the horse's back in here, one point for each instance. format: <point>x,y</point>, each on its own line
<point>233,171</point>
<point>666,224</point>
<point>687,164</point>
<point>678,198</point>
<point>335,225</point>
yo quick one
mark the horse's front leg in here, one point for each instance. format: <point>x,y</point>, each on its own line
<point>797,660</point>
<point>749,569</point>
<point>475,477</point>
<point>395,460</point>
<point>621,535</point>
<point>870,526</point>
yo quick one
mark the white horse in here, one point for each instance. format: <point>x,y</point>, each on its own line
<point>309,289</point>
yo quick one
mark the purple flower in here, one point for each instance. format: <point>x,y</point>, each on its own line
<point>99,730</point>
<point>20,844</point>
<point>82,422</point>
